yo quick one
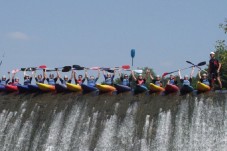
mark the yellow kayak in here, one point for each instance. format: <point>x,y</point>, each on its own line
<point>105,88</point>
<point>156,88</point>
<point>73,87</point>
<point>46,87</point>
<point>202,87</point>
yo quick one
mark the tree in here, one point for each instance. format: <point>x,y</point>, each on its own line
<point>224,26</point>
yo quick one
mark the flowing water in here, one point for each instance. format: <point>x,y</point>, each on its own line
<point>61,122</point>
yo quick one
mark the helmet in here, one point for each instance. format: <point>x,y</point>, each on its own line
<point>3,77</point>
<point>212,53</point>
<point>65,76</point>
<point>204,74</point>
<point>16,78</point>
<point>140,74</point>
<point>157,76</point>
<point>186,76</point>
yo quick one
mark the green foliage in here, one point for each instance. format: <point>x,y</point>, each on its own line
<point>221,54</point>
<point>224,26</point>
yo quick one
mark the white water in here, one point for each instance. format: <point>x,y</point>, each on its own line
<point>198,125</point>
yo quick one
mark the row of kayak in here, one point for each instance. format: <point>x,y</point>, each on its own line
<point>117,88</point>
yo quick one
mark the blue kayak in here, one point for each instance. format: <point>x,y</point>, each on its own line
<point>140,89</point>
<point>23,88</point>
<point>60,88</point>
<point>2,88</point>
<point>186,89</point>
<point>33,88</point>
<point>122,88</point>
<point>87,88</point>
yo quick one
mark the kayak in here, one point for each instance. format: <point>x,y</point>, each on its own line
<point>73,87</point>
<point>33,88</point>
<point>122,88</point>
<point>46,87</point>
<point>23,88</point>
<point>11,88</point>
<point>171,88</point>
<point>60,88</point>
<point>87,88</point>
<point>155,88</point>
<point>186,89</point>
<point>2,87</point>
<point>201,87</point>
<point>140,89</point>
<point>105,88</point>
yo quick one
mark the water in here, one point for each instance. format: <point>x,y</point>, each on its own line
<point>61,122</point>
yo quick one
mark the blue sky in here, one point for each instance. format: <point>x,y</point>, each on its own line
<point>101,33</point>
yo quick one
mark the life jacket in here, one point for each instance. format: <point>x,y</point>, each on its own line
<point>140,81</point>
<point>108,81</point>
<point>125,82</point>
<point>3,82</point>
<point>51,82</point>
<point>172,81</point>
<point>158,83</point>
<point>206,81</point>
<point>91,82</point>
<point>214,64</point>
<point>40,81</point>
<point>79,81</point>
<point>27,81</point>
<point>186,82</point>
<point>64,82</point>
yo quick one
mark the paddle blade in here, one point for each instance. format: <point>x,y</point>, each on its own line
<point>15,71</point>
<point>125,67</point>
<point>77,67</point>
<point>110,71</point>
<point>66,69</point>
<point>201,63</point>
<point>138,71</point>
<point>164,74</point>
<point>94,68</point>
<point>190,62</point>
<point>133,52</point>
<point>42,67</point>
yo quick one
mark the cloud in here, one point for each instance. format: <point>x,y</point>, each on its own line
<point>18,36</point>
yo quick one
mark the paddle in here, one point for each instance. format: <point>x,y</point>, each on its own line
<point>33,68</point>
<point>199,64</point>
<point>133,52</point>
<point>203,63</point>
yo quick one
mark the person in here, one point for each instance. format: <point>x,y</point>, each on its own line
<point>108,77</point>
<point>66,79</point>
<point>157,81</point>
<point>140,80</point>
<point>204,79</point>
<point>80,79</point>
<point>125,79</point>
<point>3,81</point>
<point>51,80</point>
<point>172,80</point>
<point>39,78</point>
<point>27,78</point>
<point>214,70</point>
<point>186,80</point>
<point>15,81</point>
<point>92,80</point>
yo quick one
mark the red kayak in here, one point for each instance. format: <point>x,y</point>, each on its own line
<point>171,88</point>
<point>11,88</point>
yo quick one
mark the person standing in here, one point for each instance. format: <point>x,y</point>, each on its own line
<point>214,70</point>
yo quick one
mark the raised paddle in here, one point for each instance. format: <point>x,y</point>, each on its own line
<point>133,52</point>
<point>199,64</point>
